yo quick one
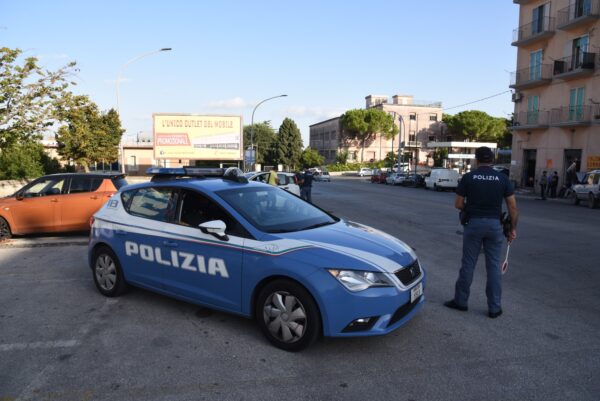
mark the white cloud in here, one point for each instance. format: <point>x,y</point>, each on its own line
<point>56,56</point>
<point>235,103</point>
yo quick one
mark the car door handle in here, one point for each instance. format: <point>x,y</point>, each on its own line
<point>93,197</point>
<point>120,232</point>
<point>54,200</point>
<point>170,244</point>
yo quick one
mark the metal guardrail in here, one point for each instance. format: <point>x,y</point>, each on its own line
<point>531,75</point>
<point>581,61</point>
<point>571,115</point>
<point>531,119</point>
<point>576,11</point>
<point>533,29</point>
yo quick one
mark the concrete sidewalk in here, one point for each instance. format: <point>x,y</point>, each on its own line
<point>39,240</point>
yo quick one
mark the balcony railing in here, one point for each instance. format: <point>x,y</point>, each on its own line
<point>530,77</point>
<point>531,119</point>
<point>574,66</point>
<point>578,13</point>
<point>571,116</point>
<point>534,31</point>
<point>521,2</point>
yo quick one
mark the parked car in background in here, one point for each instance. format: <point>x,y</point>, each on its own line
<point>403,168</point>
<point>57,203</point>
<point>322,176</point>
<point>588,190</point>
<point>285,181</point>
<point>379,176</point>
<point>365,172</point>
<point>442,178</point>
<point>413,180</point>
<point>395,178</point>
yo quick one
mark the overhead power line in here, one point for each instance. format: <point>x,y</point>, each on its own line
<point>477,101</point>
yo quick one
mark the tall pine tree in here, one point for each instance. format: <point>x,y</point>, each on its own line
<point>288,146</point>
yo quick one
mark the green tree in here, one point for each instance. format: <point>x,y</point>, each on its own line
<point>439,156</point>
<point>29,95</point>
<point>311,158</point>
<point>264,138</point>
<point>476,125</point>
<point>363,126</point>
<point>288,145</point>
<point>342,157</point>
<point>21,161</point>
<point>88,136</point>
<point>391,158</point>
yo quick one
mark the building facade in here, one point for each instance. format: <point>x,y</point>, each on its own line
<point>556,88</point>
<point>418,123</point>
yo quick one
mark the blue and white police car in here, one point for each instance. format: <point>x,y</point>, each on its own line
<point>255,250</point>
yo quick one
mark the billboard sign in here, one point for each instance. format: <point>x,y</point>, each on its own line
<point>197,137</point>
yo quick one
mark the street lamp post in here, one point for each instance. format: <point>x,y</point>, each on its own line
<point>119,77</point>
<point>252,124</point>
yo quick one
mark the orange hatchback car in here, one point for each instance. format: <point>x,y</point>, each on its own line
<point>57,203</point>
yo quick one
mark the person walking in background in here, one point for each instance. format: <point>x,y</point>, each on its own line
<point>479,198</point>
<point>543,185</point>
<point>553,184</point>
<point>306,188</point>
<point>273,180</point>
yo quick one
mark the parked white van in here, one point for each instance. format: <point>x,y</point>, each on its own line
<point>442,178</point>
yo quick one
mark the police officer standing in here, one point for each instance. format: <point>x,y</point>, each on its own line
<point>479,198</point>
<point>306,188</point>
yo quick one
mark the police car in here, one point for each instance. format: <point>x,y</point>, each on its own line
<point>254,250</point>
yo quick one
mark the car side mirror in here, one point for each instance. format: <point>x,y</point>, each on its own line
<point>216,228</point>
<point>19,196</point>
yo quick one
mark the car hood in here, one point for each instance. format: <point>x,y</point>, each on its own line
<point>363,243</point>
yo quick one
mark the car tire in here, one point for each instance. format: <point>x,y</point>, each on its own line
<point>107,272</point>
<point>288,315</point>
<point>5,232</point>
<point>436,188</point>
<point>575,199</point>
<point>592,201</point>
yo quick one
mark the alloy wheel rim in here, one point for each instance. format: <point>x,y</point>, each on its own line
<point>285,317</point>
<point>106,272</point>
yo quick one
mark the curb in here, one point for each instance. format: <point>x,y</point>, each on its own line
<point>19,244</point>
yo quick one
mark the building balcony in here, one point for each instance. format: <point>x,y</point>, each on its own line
<point>531,77</point>
<point>528,120</point>
<point>578,14</point>
<point>572,116</point>
<point>522,2</point>
<point>533,32</point>
<point>575,66</point>
<point>411,144</point>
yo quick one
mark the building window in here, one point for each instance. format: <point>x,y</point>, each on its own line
<point>433,117</point>
<point>432,138</point>
<point>412,137</point>
<point>413,116</point>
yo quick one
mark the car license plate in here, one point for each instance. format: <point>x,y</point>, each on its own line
<point>416,292</point>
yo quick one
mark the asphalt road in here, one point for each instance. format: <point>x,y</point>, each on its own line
<point>61,340</point>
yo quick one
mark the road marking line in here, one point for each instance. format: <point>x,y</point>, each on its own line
<point>39,345</point>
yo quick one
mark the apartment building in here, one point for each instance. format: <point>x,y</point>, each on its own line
<point>556,88</point>
<point>418,123</point>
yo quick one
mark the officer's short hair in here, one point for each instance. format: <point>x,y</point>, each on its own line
<point>484,154</point>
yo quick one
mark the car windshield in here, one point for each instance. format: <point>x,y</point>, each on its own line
<point>273,210</point>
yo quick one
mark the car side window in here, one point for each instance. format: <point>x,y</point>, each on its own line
<point>197,209</point>
<point>282,179</point>
<point>596,178</point>
<point>154,203</point>
<point>45,187</point>
<point>80,184</point>
<point>262,177</point>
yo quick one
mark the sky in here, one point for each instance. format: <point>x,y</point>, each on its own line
<point>229,55</point>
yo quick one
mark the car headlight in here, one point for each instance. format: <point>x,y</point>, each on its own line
<point>356,280</point>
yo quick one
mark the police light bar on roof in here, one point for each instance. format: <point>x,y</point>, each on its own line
<point>164,173</point>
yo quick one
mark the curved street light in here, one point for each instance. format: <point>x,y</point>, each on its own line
<point>119,78</point>
<point>252,122</point>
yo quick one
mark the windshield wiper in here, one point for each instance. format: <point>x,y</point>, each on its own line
<point>325,223</point>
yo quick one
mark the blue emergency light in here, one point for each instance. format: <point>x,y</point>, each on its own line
<point>169,173</point>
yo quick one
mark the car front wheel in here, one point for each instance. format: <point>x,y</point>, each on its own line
<point>5,232</point>
<point>108,275</point>
<point>575,199</point>
<point>592,201</point>
<point>288,315</point>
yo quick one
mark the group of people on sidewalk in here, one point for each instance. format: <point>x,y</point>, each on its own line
<point>548,185</point>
